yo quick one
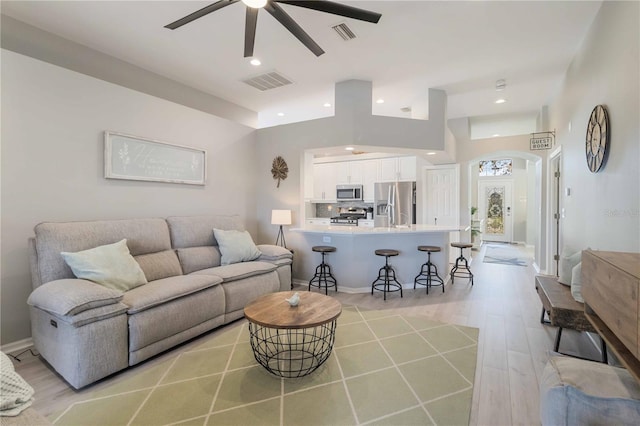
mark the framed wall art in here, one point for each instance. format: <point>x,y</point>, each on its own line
<point>135,158</point>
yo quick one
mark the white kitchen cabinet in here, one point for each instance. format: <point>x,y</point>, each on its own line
<point>319,221</point>
<point>388,169</point>
<point>341,173</point>
<point>407,168</point>
<point>397,169</point>
<point>369,172</point>
<point>324,182</point>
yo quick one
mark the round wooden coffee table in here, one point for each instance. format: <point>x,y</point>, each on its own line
<point>292,341</point>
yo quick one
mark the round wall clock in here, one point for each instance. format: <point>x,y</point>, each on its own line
<point>597,141</point>
<point>279,169</point>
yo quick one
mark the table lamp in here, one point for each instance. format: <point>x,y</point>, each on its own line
<point>281,217</point>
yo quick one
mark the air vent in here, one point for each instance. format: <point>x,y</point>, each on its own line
<point>405,109</point>
<point>344,31</point>
<point>268,81</point>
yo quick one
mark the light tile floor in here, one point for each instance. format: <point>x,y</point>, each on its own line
<point>385,369</point>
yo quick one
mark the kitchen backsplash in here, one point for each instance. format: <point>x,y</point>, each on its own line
<point>333,209</point>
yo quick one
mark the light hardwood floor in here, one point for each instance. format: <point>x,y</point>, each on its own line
<point>503,304</point>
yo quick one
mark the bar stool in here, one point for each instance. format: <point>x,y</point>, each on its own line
<point>386,275</point>
<point>323,271</point>
<point>429,271</point>
<point>461,270</point>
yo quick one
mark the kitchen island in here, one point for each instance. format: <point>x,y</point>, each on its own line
<point>355,265</point>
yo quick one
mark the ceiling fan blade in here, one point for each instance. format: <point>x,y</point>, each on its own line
<point>200,13</point>
<point>276,11</point>
<point>250,31</point>
<point>336,9</point>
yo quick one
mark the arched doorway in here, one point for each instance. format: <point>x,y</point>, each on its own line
<point>526,202</point>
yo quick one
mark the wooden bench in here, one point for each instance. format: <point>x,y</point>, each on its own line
<point>562,309</point>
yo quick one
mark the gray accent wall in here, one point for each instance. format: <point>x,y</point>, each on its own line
<point>31,41</point>
<point>52,167</point>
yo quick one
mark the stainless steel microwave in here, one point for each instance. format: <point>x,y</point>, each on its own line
<point>349,192</point>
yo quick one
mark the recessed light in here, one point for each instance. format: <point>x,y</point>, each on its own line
<point>281,114</point>
<point>380,101</point>
<point>255,62</point>
<point>431,153</point>
<point>327,105</point>
<point>501,101</point>
<point>495,135</point>
<point>349,148</point>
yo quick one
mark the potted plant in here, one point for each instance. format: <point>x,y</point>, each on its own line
<point>475,224</point>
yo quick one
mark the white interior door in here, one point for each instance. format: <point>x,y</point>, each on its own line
<point>495,206</point>
<point>442,195</point>
<point>441,198</point>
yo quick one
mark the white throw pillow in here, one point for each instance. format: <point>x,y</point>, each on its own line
<point>568,260</point>
<point>576,283</point>
<point>110,265</point>
<point>235,246</point>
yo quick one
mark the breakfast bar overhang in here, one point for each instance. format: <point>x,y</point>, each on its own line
<point>354,263</point>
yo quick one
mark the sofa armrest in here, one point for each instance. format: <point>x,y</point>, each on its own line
<point>72,296</point>
<point>272,252</point>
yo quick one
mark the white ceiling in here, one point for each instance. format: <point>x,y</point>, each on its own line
<point>459,47</point>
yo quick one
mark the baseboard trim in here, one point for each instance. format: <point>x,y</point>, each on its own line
<point>18,346</point>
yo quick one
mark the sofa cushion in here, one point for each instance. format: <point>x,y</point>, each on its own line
<point>575,391</point>
<point>110,265</point>
<point>156,266</point>
<point>235,246</point>
<point>194,231</point>
<point>72,296</point>
<point>271,252</point>
<point>238,271</point>
<point>143,236</point>
<point>161,291</point>
<point>196,258</point>
<point>93,315</point>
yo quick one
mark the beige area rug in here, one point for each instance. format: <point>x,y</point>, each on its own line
<point>385,369</point>
<point>504,254</point>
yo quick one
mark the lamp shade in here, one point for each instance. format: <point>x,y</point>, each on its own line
<point>281,217</point>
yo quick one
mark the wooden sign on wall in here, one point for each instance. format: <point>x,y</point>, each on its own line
<point>133,158</point>
<point>542,140</point>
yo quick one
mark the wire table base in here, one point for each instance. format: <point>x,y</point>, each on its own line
<point>291,353</point>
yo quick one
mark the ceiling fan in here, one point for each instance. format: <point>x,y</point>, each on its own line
<point>277,12</point>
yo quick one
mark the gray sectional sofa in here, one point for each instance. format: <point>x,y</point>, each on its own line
<point>87,331</point>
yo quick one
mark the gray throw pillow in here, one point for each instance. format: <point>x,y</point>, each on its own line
<point>235,246</point>
<point>110,265</point>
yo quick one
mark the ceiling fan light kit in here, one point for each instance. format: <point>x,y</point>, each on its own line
<point>274,9</point>
<point>256,4</point>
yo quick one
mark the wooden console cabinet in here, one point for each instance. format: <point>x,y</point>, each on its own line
<point>611,292</point>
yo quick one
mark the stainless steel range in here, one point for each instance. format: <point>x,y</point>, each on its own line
<point>349,218</point>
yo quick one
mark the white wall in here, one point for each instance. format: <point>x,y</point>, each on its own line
<point>603,211</point>
<point>53,121</point>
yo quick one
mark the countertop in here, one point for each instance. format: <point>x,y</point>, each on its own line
<point>363,230</point>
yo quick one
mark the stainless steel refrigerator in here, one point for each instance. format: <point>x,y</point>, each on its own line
<point>395,204</point>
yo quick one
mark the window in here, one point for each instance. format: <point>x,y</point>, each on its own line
<point>501,167</point>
